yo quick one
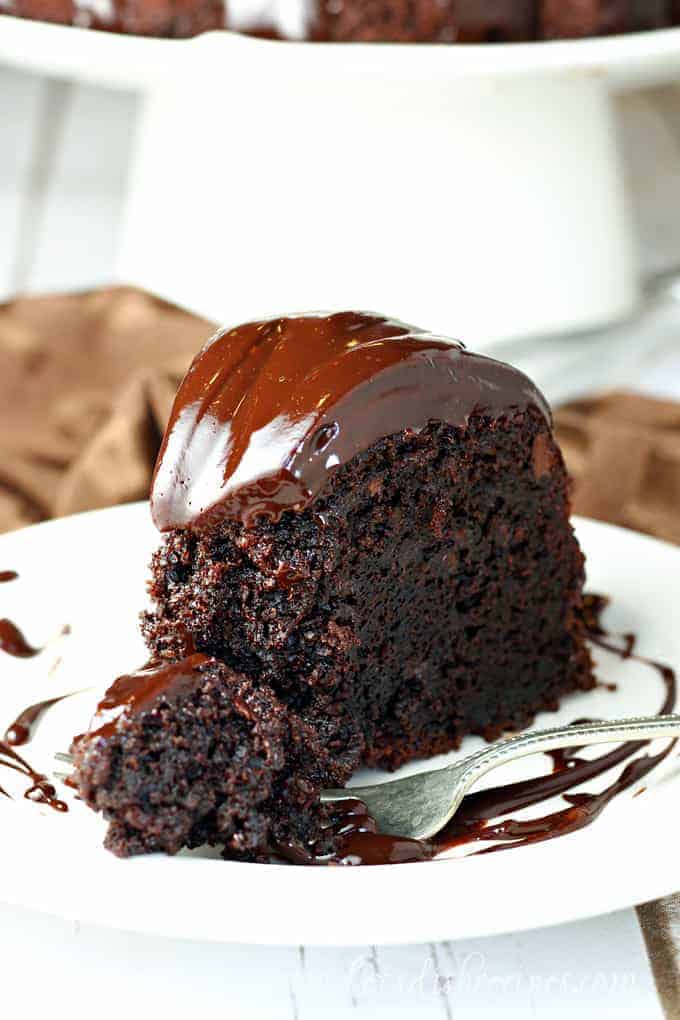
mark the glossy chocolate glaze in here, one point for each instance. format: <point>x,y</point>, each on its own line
<point>267,410</point>
<point>360,843</point>
<point>13,642</point>
<point>137,691</point>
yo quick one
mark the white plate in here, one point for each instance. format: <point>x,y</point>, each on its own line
<point>135,61</point>
<point>88,571</point>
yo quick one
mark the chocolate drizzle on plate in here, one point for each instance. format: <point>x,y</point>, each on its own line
<point>40,790</point>
<point>23,727</point>
<point>13,642</point>
<point>269,408</point>
<point>360,843</point>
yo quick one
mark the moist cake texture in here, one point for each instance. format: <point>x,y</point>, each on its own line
<point>189,753</point>
<point>366,527</point>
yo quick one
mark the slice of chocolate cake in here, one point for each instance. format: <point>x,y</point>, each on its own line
<point>373,522</point>
<point>367,555</point>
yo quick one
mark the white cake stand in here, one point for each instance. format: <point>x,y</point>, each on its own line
<point>475,190</point>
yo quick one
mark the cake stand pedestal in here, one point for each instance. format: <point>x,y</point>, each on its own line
<point>484,209</point>
<point>474,190</point>
<point>478,194</point>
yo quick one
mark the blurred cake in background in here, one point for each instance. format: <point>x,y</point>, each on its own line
<point>567,19</point>
<point>446,21</point>
<point>164,18</point>
<point>427,20</point>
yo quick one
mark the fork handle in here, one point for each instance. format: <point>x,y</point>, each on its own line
<point>577,735</point>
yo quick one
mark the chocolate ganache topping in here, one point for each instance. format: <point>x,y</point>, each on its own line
<point>269,408</point>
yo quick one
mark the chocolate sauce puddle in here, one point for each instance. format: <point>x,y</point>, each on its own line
<point>41,791</point>
<point>361,843</point>
<point>13,642</point>
<point>8,575</point>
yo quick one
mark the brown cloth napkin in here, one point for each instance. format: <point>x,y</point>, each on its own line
<point>86,384</point>
<point>623,452</point>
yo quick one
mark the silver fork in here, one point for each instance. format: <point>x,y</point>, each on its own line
<point>420,805</point>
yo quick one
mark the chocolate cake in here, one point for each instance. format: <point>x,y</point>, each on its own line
<point>365,527</point>
<point>444,21</point>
